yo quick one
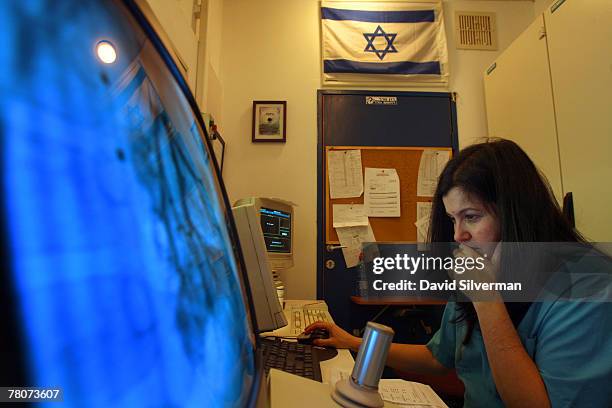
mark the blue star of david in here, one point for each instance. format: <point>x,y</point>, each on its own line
<point>379,32</point>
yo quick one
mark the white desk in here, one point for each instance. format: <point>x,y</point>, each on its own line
<point>289,390</point>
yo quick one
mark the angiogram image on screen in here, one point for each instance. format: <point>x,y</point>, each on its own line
<point>124,274</point>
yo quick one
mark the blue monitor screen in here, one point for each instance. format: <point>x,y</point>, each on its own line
<point>126,284</point>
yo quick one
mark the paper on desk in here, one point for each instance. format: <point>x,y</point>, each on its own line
<point>431,165</point>
<point>382,192</point>
<point>336,374</point>
<point>349,215</point>
<point>400,392</point>
<point>423,217</point>
<point>351,239</point>
<point>345,176</point>
<point>408,393</point>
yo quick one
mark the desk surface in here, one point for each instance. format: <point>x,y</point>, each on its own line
<point>288,390</point>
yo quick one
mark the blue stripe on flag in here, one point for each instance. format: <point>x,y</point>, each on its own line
<point>413,16</point>
<point>406,67</point>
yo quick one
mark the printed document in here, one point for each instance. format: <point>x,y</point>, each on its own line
<point>431,165</point>
<point>351,240</point>
<point>422,220</point>
<point>349,215</point>
<point>336,374</point>
<point>408,393</point>
<point>345,176</point>
<point>382,192</point>
<point>400,392</point>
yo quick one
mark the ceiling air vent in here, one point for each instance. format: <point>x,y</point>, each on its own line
<point>475,31</point>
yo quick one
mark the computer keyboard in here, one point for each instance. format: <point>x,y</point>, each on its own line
<point>300,318</point>
<point>294,358</point>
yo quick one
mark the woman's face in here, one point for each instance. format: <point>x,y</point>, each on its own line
<point>475,225</point>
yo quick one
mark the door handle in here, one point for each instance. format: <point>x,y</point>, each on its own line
<point>332,247</point>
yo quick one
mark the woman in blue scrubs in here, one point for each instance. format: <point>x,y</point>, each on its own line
<point>556,352</point>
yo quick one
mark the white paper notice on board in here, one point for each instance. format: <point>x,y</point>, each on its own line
<point>431,165</point>
<point>352,238</point>
<point>345,176</point>
<point>349,215</point>
<point>423,217</point>
<point>382,193</point>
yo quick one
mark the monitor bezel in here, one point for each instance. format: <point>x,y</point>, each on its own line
<point>285,206</point>
<point>14,371</point>
<point>143,14</point>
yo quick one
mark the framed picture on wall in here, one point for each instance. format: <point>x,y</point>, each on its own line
<point>269,121</point>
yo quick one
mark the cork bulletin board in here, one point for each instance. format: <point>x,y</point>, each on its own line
<point>406,161</point>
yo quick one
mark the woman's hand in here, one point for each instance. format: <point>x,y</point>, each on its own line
<point>338,338</point>
<point>485,270</point>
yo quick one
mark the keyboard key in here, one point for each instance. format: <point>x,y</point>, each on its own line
<point>301,318</point>
<point>291,357</point>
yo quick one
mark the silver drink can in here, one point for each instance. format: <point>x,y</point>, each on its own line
<point>372,355</point>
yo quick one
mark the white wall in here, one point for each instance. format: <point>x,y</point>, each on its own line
<point>467,67</point>
<point>211,92</point>
<point>540,5</point>
<point>175,18</point>
<point>270,50</point>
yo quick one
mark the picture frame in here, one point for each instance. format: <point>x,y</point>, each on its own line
<point>269,121</point>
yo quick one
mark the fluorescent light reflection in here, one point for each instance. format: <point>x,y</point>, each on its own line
<point>106,52</point>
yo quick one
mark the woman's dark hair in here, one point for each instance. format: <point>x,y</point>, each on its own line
<point>501,175</point>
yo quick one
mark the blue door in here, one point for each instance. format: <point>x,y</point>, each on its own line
<point>370,118</point>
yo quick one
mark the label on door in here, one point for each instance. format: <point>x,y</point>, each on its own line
<point>381,100</point>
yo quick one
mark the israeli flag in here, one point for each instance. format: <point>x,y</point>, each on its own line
<point>373,41</point>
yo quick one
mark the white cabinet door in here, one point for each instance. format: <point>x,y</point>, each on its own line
<point>519,101</point>
<point>580,52</point>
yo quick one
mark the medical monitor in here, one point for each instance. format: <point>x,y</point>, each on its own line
<point>268,310</point>
<point>122,282</point>
<point>276,220</point>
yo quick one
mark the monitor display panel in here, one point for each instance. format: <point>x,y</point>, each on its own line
<point>276,227</point>
<point>276,218</point>
<point>121,263</point>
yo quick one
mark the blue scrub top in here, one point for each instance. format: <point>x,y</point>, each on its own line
<point>570,341</point>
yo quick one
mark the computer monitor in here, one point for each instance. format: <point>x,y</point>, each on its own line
<point>276,220</point>
<point>268,310</point>
<point>121,276</point>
